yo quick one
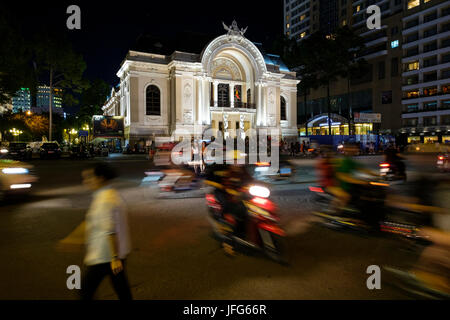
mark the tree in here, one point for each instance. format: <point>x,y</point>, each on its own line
<point>57,62</point>
<point>351,47</point>
<point>93,99</point>
<point>15,70</point>
<point>321,63</point>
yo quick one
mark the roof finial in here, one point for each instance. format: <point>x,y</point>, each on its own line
<point>234,30</point>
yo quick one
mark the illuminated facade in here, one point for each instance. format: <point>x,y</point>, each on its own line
<point>43,97</point>
<point>426,72</point>
<point>21,102</point>
<point>230,85</point>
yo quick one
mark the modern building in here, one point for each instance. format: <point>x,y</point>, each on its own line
<point>230,84</point>
<point>43,97</point>
<point>378,92</point>
<point>22,100</point>
<point>426,71</point>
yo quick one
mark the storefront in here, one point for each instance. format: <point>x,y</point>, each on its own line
<point>318,126</point>
<point>108,131</point>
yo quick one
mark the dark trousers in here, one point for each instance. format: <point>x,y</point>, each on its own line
<point>93,276</point>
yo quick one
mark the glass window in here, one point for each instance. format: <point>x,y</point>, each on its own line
<point>153,101</point>
<point>445,120</point>
<point>412,94</point>
<point>412,66</point>
<point>445,104</point>
<point>430,106</point>
<point>394,44</point>
<point>413,3</point>
<point>283,109</point>
<point>445,74</point>
<point>429,121</point>
<point>412,107</point>
<point>446,89</point>
<point>430,91</point>
<point>411,122</point>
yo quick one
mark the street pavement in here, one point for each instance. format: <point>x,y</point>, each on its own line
<point>174,255</point>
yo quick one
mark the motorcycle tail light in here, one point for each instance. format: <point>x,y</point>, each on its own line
<point>385,165</point>
<point>316,189</point>
<point>210,198</point>
<point>441,158</point>
<point>264,203</point>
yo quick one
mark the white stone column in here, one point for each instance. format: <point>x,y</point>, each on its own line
<point>199,111</point>
<point>263,106</point>
<point>216,93</point>
<point>207,99</point>
<point>258,103</point>
<point>232,95</point>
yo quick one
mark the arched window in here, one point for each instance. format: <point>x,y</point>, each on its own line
<point>282,109</point>
<point>152,101</point>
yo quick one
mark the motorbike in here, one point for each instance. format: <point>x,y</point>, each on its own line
<point>368,213</point>
<point>391,171</point>
<point>262,171</point>
<point>442,162</point>
<point>173,180</point>
<point>262,233</point>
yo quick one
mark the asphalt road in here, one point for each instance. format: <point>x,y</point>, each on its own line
<point>174,255</point>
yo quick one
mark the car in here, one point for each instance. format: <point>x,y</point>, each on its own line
<point>49,150</point>
<point>15,177</point>
<point>19,150</point>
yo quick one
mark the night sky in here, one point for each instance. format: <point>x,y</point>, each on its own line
<point>110,29</point>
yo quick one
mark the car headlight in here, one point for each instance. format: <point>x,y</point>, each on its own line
<point>3,151</point>
<point>259,191</point>
<point>15,171</point>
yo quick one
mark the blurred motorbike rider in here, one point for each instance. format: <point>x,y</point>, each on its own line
<point>325,169</point>
<point>391,156</point>
<point>433,267</point>
<point>228,180</point>
<point>346,181</point>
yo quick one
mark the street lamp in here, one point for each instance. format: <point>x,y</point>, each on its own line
<point>15,132</point>
<point>73,131</point>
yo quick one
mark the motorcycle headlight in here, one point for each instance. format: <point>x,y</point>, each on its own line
<point>259,191</point>
<point>15,171</point>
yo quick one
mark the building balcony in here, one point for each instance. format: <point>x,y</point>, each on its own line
<point>238,106</point>
<point>419,26</point>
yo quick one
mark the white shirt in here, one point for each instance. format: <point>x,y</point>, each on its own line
<point>106,216</point>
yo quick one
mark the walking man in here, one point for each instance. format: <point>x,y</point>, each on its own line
<point>107,235</point>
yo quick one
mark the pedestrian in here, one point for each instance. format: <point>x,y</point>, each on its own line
<point>292,149</point>
<point>107,235</point>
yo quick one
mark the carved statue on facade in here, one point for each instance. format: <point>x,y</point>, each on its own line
<point>234,30</point>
